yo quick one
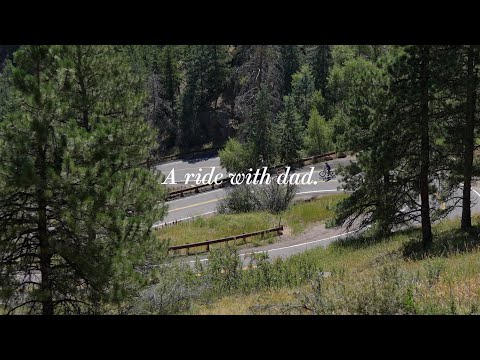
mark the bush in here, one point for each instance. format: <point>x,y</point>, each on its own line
<point>173,292</point>
<point>235,157</point>
<point>318,135</point>
<point>272,197</point>
<point>388,292</point>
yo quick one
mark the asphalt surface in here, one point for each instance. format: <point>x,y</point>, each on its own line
<point>205,203</point>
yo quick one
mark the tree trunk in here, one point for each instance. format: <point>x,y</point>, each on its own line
<point>45,251</point>
<point>468,141</point>
<point>425,146</point>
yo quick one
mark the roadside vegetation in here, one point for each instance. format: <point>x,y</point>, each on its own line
<point>364,274</point>
<point>295,218</point>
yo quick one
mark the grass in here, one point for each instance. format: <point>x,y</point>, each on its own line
<point>215,227</point>
<point>302,214</point>
<point>297,217</point>
<point>370,276</point>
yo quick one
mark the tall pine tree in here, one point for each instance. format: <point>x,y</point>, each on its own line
<point>76,205</point>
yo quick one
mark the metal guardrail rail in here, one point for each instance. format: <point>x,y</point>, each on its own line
<point>278,230</point>
<point>196,189</point>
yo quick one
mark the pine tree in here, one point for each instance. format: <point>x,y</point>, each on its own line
<point>461,124</point>
<point>320,61</point>
<point>413,93</point>
<point>380,193</point>
<point>258,67</point>
<point>169,73</point>
<point>5,91</point>
<point>76,205</point>
<point>261,131</point>
<point>303,92</point>
<point>206,74</point>
<point>290,63</point>
<point>291,140</point>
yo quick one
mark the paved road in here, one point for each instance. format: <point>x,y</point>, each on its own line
<point>206,203</point>
<point>202,166</point>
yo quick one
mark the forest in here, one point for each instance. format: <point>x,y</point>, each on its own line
<point>81,126</point>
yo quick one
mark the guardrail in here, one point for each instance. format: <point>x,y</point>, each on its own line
<point>278,230</point>
<point>196,189</point>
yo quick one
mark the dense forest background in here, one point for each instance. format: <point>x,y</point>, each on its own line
<point>200,95</point>
<point>79,124</point>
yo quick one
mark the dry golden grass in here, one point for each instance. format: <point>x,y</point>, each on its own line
<point>243,304</point>
<point>442,282</point>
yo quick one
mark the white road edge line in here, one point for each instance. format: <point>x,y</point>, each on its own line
<point>316,191</point>
<point>291,246</point>
<point>183,219</point>
<point>476,192</point>
<point>302,244</point>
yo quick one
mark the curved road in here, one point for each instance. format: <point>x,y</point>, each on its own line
<point>205,203</point>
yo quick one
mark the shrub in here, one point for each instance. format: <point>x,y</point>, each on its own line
<point>389,291</point>
<point>173,292</point>
<point>272,197</point>
<point>235,157</point>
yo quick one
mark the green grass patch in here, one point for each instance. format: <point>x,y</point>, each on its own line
<point>302,214</point>
<point>297,217</point>
<point>215,227</point>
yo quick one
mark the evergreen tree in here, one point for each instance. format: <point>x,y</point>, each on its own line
<point>291,140</point>
<point>318,134</point>
<point>290,63</point>
<point>460,81</point>
<point>169,73</point>
<point>76,206</point>
<point>261,131</point>
<point>5,91</point>
<point>257,67</point>
<point>363,113</point>
<point>397,130</point>
<point>206,74</point>
<point>320,60</point>
<point>303,92</point>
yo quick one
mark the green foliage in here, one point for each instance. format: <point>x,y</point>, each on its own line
<point>235,157</point>
<point>244,198</point>
<point>260,131</point>
<point>5,91</point>
<point>320,60</point>
<point>303,90</point>
<point>291,140</point>
<point>318,135</point>
<point>290,63</point>
<point>387,292</point>
<point>206,74</point>
<point>79,211</point>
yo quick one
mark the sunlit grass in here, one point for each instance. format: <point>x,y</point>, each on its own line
<point>434,282</point>
<point>297,217</point>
